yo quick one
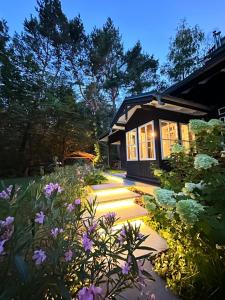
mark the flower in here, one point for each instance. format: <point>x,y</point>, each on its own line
<point>55,231</point>
<point>1,246</point>
<point>110,218</point>
<point>165,197</point>
<point>189,187</point>
<point>189,210</point>
<point>51,188</point>
<point>68,255</point>
<point>70,207</point>
<point>9,220</point>
<point>39,256</point>
<point>204,161</point>
<point>215,122</point>
<point>122,235</point>
<point>89,293</point>
<point>177,148</point>
<point>6,193</point>
<point>91,228</point>
<point>40,217</point>
<point>125,268</point>
<point>77,202</point>
<point>198,126</point>
<point>158,172</point>
<point>87,243</point>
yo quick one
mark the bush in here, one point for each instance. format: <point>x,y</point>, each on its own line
<point>53,247</point>
<point>189,211</point>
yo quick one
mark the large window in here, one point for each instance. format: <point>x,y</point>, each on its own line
<point>131,139</point>
<point>146,141</point>
<point>186,136</point>
<point>169,136</point>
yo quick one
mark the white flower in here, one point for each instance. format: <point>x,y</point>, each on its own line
<point>198,126</point>
<point>215,122</point>
<point>189,210</point>
<point>177,148</point>
<point>204,161</point>
<point>165,197</point>
<point>190,187</point>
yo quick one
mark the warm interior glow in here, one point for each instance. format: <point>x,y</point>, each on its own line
<point>111,192</point>
<point>169,136</point>
<point>146,141</point>
<point>115,204</point>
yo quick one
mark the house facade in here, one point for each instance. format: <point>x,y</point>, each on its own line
<point>147,125</point>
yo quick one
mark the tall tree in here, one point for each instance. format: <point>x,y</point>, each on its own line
<point>184,52</point>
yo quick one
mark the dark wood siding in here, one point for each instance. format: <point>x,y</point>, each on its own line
<point>143,169</point>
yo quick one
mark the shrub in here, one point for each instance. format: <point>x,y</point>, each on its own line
<point>53,247</point>
<point>194,224</point>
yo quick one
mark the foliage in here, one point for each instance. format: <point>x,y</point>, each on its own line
<point>60,86</point>
<point>194,224</point>
<point>53,246</point>
<point>98,160</point>
<point>184,52</point>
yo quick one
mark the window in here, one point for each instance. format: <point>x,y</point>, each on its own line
<point>169,136</point>
<point>146,141</point>
<point>131,138</point>
<point>186,136</point>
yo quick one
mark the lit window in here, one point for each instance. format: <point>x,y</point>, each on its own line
<point>146,142</point>
<point>131,137</point>
<point>186,136</point>
<point>169,136</point>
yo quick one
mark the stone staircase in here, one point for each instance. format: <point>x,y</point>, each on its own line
<point>115,196</point>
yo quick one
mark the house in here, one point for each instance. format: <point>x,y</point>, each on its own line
<point>147,125</point>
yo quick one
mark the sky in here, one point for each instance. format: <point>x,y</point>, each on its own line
<point>152,22</point>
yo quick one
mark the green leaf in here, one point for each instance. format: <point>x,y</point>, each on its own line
<point>22,268</point>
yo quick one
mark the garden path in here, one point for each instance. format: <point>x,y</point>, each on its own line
<point>115,196</point>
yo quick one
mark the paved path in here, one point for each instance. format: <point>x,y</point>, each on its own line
<point>115,196</point>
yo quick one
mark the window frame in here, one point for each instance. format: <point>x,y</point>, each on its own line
<point>127,146</point>
<point>146,141</point>
<point>161,139</point>
<point>181,138</point>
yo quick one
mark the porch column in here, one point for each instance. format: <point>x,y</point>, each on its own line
<point>108,154</point>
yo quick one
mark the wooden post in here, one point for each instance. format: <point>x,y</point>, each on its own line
<point>108,153</point>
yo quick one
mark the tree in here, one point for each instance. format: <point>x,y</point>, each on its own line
<point>184,52</point>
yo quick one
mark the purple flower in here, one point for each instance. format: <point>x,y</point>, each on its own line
<point>40,217</point>
<point>89,293</point>
<point>9,220</point>
<point>87,243</point>
<point>55,231</point>
<point>122,235</point>
<point>6,193</point>
<point>70,207</point>
<point>51,188</point>
<point>68,255</point>
<point>1,247</point>
<point>77,202</point>
<point>110,218</point>
<point>126,268</point>
<point>140,236</point>
<point>91,228</point>
<point>39,256</point>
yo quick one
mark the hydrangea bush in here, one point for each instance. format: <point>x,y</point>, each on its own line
<point>53,247</point>
<point>194,224</point>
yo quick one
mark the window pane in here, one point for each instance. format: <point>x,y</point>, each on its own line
<point>150,132</point>
<point>131,145</point>
<point>142,134</point>
<point>151,153</point>
<point>185,132</point>
<point>166,150</point>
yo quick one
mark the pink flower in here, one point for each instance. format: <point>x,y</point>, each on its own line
<point>126,268</point>
<point>40,217</point>
<point>55,231</point>
<point>39,256</point>
<point>68,255</point>
<point>77,202</point>
<point>87,243</point>
<point>89,293</point>
<point>70,207</point>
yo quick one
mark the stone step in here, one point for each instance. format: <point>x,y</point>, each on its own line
<point>117,194</point>
<point>154,240</point>
<point>106,186</point>
<point>125,210</point>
